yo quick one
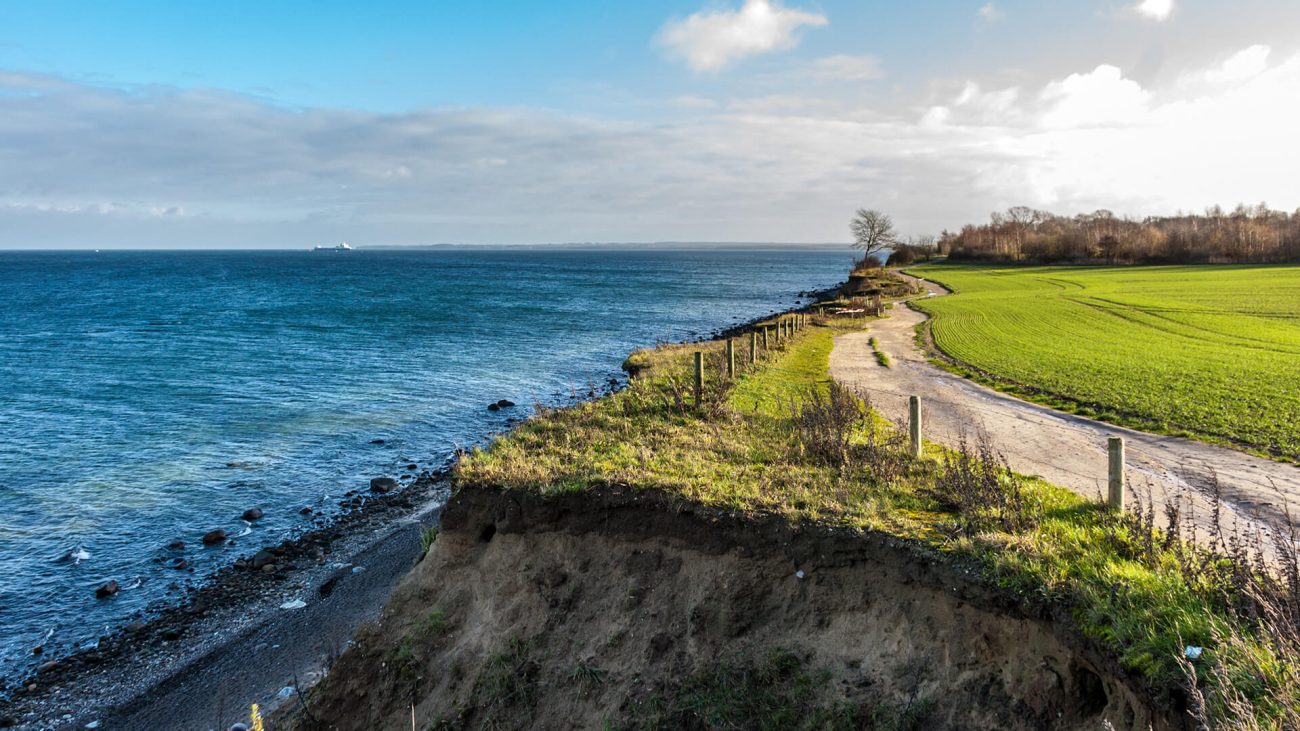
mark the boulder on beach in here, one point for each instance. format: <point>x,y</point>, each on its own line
<point>262,558</point>
<point>505,403</point>
<point>494,407</point>
<point>253,514</point>
<point>383,484</point>
<point>213,537</point>
<point>110,588</point>
<point>177,545</point>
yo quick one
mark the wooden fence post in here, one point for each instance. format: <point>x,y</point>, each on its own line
<point>1115,447</point>
<point>914,418</point>
<point>699,378</point>
<point>753,347</point>
<point>765,329</point>
<point>731,357</point>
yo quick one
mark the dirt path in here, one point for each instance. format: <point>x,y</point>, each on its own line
<point>1064,449</point>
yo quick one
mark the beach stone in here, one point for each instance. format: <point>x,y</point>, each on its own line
<point>38,650</point>
<point>109,589</point>
<point>305,511</point>
<point>383,484</point>
<point>213,537</point>
<point>505,403</point>
<point>262,558</point>
<point>47,667</point>
<point>177,545</point>
<point>8,721</point>
<point>171,634</point>
<point>253,514</point>
<point>413,466</point>
<point>493,407</point>
<point>238,727</point>
<point>135,627</point>
<point>180,564</point>
<point>268,568</point>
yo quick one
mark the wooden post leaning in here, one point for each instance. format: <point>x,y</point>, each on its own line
<point>1115,497</point>
<point>699,378</point>
<point>753,347</point>
<point>914,419</point>
<point>765,329</point>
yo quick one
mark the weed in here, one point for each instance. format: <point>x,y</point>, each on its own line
<point>507,683</point>
<point>427,538</point>
<point>774,692</point>
<point>587,674</point>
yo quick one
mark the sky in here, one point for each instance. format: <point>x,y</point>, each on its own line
<point>289,124</point>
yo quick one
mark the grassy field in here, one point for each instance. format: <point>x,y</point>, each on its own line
<point>783,439</point>
<point>1206,351</point>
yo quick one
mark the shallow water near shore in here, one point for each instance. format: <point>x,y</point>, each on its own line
<point>153,396</point>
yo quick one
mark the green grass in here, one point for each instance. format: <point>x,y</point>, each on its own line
<point>881,356</point>
<point>1206,351</point>
<point>743,451</point>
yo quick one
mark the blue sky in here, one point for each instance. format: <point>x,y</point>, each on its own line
<point>281,124</point>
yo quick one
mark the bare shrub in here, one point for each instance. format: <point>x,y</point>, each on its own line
<point>825,424</point>
<point>978,484</point>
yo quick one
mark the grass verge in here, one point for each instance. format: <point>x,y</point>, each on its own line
<point>783,438</point>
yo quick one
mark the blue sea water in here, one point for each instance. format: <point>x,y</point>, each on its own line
<point>150,396</point>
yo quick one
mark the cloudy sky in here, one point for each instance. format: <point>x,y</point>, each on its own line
<point>147,124</point>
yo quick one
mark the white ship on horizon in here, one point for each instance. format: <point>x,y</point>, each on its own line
<point>342,246</point>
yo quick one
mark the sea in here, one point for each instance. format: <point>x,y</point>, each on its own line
<point>152,396</point>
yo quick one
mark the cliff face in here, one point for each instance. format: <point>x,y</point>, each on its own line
<point>624,610</point>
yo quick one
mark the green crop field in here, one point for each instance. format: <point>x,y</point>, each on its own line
<point>1206,351</point>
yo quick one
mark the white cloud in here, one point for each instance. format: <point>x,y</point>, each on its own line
<point>711,39</point>
<point>1100,140</point>
<point>1155,9</point>
<point>1240,66</point>
<point>1100,97</point>
<point>81,163</point>
<point>691,101</point>
<point>845,67</point>
<point>990,12</point>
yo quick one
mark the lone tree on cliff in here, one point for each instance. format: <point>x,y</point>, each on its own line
<point>873,232</point>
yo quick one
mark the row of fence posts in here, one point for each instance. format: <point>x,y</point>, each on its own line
<point>785,328</point>
<point>1114,449</point>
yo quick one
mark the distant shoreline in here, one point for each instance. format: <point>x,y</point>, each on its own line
<point>613,246</point>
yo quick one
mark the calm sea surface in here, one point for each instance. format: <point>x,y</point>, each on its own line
<point>146,397</point>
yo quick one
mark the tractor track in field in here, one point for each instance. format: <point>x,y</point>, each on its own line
<point>1062,448</point>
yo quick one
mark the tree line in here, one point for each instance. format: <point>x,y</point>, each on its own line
<point>1253,234</point>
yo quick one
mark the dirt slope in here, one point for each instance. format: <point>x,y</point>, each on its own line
<point>1065,449</point>
<point>615,611</point>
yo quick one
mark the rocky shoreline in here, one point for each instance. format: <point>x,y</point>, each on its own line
<point>129,668</point>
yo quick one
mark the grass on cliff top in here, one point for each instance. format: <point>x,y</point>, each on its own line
<point>765,444</point>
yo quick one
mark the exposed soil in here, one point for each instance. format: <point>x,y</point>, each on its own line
<point>580,611</point>
<point>1063,448</point>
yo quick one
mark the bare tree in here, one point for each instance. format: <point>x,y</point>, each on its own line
<point>873,232</point>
